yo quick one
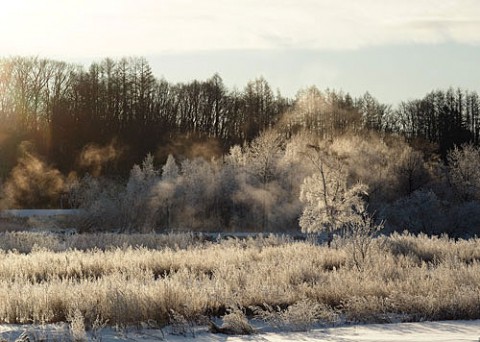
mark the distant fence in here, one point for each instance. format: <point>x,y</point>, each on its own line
<point>39,212</point>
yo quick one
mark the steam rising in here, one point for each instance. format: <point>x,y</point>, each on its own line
<point>192,148</point>
<point>32,183</point>
<point>95,157</point>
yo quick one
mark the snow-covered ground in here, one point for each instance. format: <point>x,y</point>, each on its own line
<point>401,332</point>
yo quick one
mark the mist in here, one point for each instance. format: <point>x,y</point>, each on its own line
<point>95,158</point>
<point>32,183</point>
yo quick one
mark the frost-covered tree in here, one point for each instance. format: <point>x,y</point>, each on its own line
<point>165,194</point>
<point>330,202</point>
<point>234,211</point>
<point>137,213</point>
<point>198,190</point>
<point>236,157</point>
<point>170,170</point>
<point>464,171</point>
<point>263,156</point>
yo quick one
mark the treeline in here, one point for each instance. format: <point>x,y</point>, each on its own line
<point>220,159</point>
<point>445,118</point>
<point>62,108</point>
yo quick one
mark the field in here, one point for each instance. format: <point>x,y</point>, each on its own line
<point>183,281</point>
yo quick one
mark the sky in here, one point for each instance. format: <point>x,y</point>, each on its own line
<point>395,49</point>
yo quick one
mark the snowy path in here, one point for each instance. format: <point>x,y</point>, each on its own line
<point>402,332</point>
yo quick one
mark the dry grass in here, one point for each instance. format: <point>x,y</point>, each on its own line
<point>25,242</point>
<point>405,277</point>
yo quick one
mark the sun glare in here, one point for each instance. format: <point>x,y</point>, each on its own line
<point>20,26</point>
<point>42,27</point>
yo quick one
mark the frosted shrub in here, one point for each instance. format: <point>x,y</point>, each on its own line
<point>77,326</point>
<point>234,323</point>
<point>360,238</point>
<point>300,316</point>
<point>96,328</point>
<point>368,309</point>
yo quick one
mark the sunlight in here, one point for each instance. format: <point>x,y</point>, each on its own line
<point>9,11</point>
<point>23,25</point>
<point>47,28</point>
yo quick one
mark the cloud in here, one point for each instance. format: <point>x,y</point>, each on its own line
<point>119,27</point>
<point>445,29</point>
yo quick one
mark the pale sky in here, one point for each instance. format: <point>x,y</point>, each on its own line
<point>395,49</point>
